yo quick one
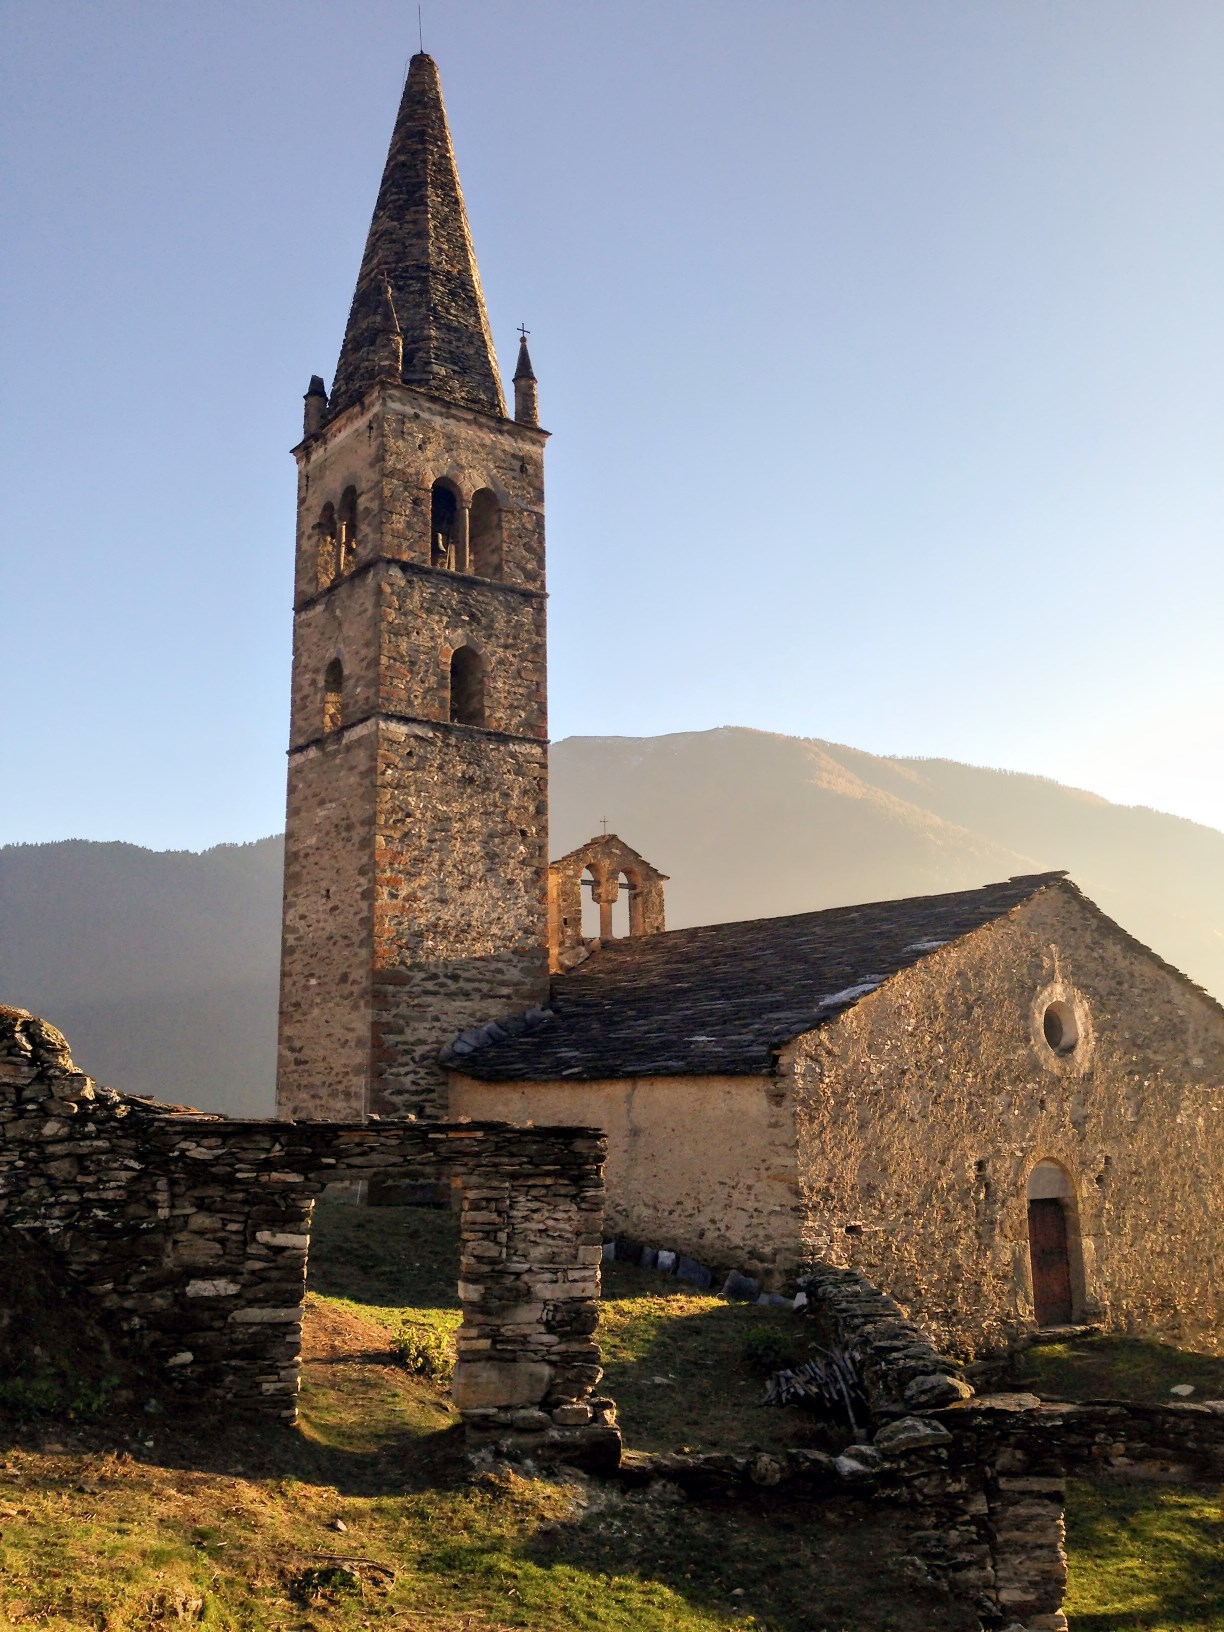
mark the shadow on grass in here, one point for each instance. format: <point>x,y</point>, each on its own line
<point>688,1370</point>
<point>1118,1368</point>
<point>1144,1559</point>
<point>798,1567</point>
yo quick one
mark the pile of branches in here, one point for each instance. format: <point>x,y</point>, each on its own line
<point>830,1383</point>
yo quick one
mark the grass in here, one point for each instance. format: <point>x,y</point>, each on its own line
<point>367,1517</point>
<point>148,1524</point>
<point>678,1364</point>
<point>1118,1368</point>
<point>1144,1559</point>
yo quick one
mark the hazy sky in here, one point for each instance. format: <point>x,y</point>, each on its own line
<point>882,345</point>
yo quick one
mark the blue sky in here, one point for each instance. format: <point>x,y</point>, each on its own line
<point>882,345</point>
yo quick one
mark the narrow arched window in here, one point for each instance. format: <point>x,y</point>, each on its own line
<point>333,695</point>
<point>325,531</point>
<point>467,706</point>
<point>486,535</point>
<point>346,531</point>
<point>444,528</point>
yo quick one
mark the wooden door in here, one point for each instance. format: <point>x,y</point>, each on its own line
<point>1051,1265</point>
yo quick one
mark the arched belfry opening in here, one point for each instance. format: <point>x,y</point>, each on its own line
<point>346,532</point>
<point>601,893</point>
<point>467,687</point>
<point>333,695</point>
<point>485,535</point>
<point>325,531</point>
<point>1054,1245</point>
<point>445,545</point>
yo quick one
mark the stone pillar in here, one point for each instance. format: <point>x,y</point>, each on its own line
<point>1028,1532</point>
<point>529,1286</point>
<point>463,533</point>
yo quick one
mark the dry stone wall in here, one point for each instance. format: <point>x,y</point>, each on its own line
<point>193,1232</point>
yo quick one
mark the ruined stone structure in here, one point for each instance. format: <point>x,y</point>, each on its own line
<point>995,1103</point>
<point>191,1232</point>
<point>416,827</point>
<point>608,868</point>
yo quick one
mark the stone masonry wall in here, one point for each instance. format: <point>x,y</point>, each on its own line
<point>922,1111</point>
<point>459,899</point>
<point>193,1232</point>
<point>328,929</point>
<point>434,833</point>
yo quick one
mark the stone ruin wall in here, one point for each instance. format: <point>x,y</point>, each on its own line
<point>921,1112</point>
<point>192,1232</point>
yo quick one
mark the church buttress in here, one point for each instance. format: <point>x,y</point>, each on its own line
<point>416,827</point>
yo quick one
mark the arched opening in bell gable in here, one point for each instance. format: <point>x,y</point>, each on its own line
<point>346,531</point>
<point>444,542</point>
<point>333,695</point>
<point>1055,1257</point>
<point>467,687</point>
<point>621,913</point>
<point>590,904</point>
<point>486,535</point>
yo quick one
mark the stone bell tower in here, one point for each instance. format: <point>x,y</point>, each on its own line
<point>417,821</point>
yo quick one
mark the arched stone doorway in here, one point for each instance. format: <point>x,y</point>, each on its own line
<point>1053,1244</point>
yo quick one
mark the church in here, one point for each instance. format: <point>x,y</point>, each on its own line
<point>995,1103</point>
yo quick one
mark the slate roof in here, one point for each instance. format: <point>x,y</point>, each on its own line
<point>723,998</point>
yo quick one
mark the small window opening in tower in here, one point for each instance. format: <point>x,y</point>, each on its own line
<point>443,528</point>
<point>346,523</point>
<point>590,906</point>
<point>326,531</point>
<point>333,695</point>
<point>620,907</point>
<point>486,535</point>
<point>467,705</point>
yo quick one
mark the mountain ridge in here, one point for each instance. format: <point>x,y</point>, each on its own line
<point>162,966</point>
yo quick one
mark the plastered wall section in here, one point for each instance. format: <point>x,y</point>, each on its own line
<point>922,1111</point>
<point>703,1165</point>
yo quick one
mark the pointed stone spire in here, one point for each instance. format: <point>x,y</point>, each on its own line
<point>419,244</point>
<point>526,393</point>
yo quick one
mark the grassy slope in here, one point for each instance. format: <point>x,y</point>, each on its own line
<point>147,1525</point>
